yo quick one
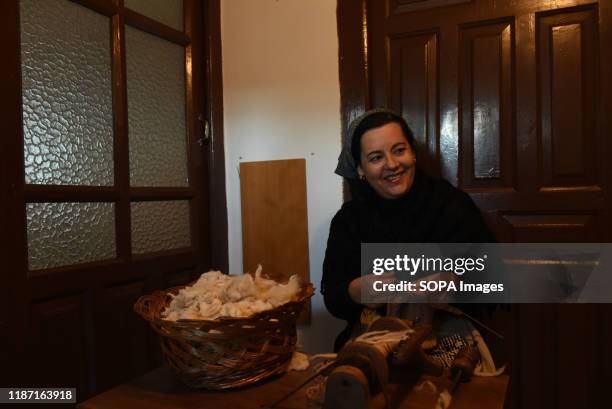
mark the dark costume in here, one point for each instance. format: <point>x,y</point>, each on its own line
<point>433,211</point>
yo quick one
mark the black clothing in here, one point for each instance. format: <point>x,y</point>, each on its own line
<point>433,211</point>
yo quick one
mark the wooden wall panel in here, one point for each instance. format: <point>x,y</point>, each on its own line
<point>576,369</point>
<point>486,110</point>
<point>275,219</point>
<point>551,374</point>
<point>533,357</point>
<point>549,228</point>
<point>604,354</point>
<point>125,354</point>
<point>413,65</point>
<point>405,6</point>
<point>567,59</point>
<point>51,349</point>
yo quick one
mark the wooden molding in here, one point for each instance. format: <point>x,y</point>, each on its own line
<point>213,112</point>
<point>352,64</point>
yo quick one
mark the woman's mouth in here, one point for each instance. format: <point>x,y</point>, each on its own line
<point>394,177</point>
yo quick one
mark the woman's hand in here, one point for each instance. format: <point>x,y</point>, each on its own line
<point>366,282</point>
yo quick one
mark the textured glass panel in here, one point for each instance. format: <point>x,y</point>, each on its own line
<point>169,12</point>
<point>156,110</point>
<point>160,226</point>
<point>60,234</point>
<point>67,102</point>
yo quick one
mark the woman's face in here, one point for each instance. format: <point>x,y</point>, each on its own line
<point>387,161</point>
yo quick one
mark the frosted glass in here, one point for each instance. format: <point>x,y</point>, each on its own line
<point>169,12</point>
<point>67,101</point>
<point>158,226</point>
<point>61,234</point>
<point>156,110</point>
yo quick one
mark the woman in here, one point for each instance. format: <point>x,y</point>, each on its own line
<point>393,202</point>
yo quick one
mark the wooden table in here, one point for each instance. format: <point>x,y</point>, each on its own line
<point>161,390</point>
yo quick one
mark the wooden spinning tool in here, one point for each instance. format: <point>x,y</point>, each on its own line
<point>362,369</point>
<point>461,370</point>
<point>463,365</point>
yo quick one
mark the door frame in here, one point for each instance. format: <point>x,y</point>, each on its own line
<point>213,110</point>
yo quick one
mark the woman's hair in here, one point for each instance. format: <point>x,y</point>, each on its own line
<point>376,120</point>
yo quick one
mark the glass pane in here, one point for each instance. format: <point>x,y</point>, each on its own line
<point>169,12</point>
<point>60,234</point>
<point>156,110</point>
<point>67,101</point>
<point>160,226</point>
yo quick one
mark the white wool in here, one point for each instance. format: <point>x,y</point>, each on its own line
<point>209,309</point>
<point>299,362</point>
<point>444,400</point>
<point>279,294</point>
<point>238,288</point>
<point>190,314</point>
<point>216,295</point>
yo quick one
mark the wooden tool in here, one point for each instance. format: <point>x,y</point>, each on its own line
<point>462,370</point>
<point>362,369</point>
<point>463,365</point>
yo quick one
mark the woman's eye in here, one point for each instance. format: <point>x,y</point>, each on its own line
<point>400,151</point>
<point>375,158</point>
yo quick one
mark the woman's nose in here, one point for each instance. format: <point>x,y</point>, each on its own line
<point>391,162</point>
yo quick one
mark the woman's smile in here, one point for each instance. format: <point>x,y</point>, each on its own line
<point>395,177</point>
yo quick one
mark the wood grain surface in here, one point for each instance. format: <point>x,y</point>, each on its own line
<point>275,219</point>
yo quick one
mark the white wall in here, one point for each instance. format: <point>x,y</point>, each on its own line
<point>281,100</point>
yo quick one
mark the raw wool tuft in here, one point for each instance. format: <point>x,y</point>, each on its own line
<point>444,400</point>
<point>217,295</point>
<point>299,362</point>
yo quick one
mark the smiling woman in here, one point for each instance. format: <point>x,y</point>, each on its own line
<point>387,160</point>
<point>394,203</point>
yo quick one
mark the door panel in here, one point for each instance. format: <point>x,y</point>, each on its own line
<point>415,75</point>
<point>548,228</point>
<point>127,348</point>
<point>567,55</point>
<point>60,343</point>
<point>486,110</point>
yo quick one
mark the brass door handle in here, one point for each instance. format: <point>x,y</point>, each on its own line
<point>205,135</point>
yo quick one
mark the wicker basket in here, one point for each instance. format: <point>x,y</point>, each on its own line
<point>226,352</point>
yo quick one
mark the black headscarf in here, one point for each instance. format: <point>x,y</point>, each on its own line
<point>346,163</point>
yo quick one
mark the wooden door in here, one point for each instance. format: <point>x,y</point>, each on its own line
<point>105,191</point>
<point>509,100</point>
